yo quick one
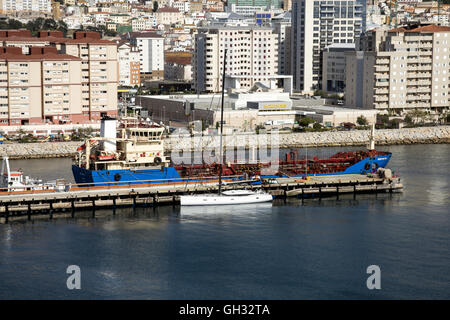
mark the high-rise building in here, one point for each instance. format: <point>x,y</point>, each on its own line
<point>282,27</point>
<point>252,56</point>
<point>315,25</point>
<point>129,64</point>
<point>407,68</point>
<point>333,69</point>
<point>98,69</point>
<point>151,55</point>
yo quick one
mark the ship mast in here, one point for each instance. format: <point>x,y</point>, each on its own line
<point>221,122</point>
<point>371,145</point>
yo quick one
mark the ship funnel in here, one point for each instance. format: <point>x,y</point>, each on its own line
<point>108,130</point>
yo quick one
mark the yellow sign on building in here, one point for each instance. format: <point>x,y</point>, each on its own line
<point>275,106</point>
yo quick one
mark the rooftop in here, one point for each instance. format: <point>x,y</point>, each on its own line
<point>37,54</point>
<point>167,9</point>
<point>422,29</point>
<point>144,34</point>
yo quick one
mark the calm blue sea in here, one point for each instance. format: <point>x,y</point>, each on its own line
<point>315,249</point>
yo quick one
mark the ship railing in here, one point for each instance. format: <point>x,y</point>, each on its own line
<point>68,186</point>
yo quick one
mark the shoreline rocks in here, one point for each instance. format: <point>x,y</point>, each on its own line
<point>422,135</point>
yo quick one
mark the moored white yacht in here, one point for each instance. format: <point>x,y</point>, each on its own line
<point>226,197</point>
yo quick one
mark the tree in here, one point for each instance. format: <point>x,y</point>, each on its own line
<point>15,24</point>
<point>408,119</point>
<point>320,93</point>
<point>305,121</point>
<point>258,128</point>
<point>317,126</point>
<point>362,121</point>
<point>49,24</point>
<point>418,115</point>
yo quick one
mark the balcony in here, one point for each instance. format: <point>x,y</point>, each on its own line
<point>425,52</point>
<point>426,89</point>
<point>411,98</point>
<point>381,91</point>
<point>381,75</point>
<point>425,60</point>
<point>382,84</point>
<point>382,61</point>
<point>423,74</point>
<point>426,45</point>
<point>381,69</point>
<point>424,68</point>
<point>380,105</point>
<point>381,98</point>
<point>424,83</point>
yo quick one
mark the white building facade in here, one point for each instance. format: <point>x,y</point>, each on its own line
<point>252,52</point>
<point>26,5</point>
<point>151,55</point>
<point>408,70</point>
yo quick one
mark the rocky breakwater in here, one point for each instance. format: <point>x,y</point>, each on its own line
<point>39,150</point>
<point>438,134</point>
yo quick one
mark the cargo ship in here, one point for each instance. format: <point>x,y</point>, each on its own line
<point>132,152</point>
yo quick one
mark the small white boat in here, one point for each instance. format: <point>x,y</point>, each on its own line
<point>226,197</point>
<point>17,181</point>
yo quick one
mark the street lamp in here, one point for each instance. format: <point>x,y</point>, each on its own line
<point>164,114</point>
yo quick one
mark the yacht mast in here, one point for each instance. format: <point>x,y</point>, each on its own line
<point>221,122</point>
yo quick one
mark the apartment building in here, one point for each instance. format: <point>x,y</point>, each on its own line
<point>129,64</point>
<point>42,86</point>
<point>196,6</point>
<point>143,23</point>
<point>10,6</point>
<point>215,5</point>
<point>256,3</point>
<point>252,56</point>
<point>333,69</point>
<point>168,15</point>
<point>151,54</point>
<point>178,66</point>
<point>283,28</point>
<point>315,25</point>
<point>183,6</point>
<point>408,69</point>
<point>99,68</point>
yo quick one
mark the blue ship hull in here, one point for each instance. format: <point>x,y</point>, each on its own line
<point>170,174</point>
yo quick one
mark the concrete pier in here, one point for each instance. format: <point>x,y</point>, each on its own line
<point>24,205</point>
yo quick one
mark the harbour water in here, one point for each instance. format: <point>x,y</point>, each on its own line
<point>315,249</point>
